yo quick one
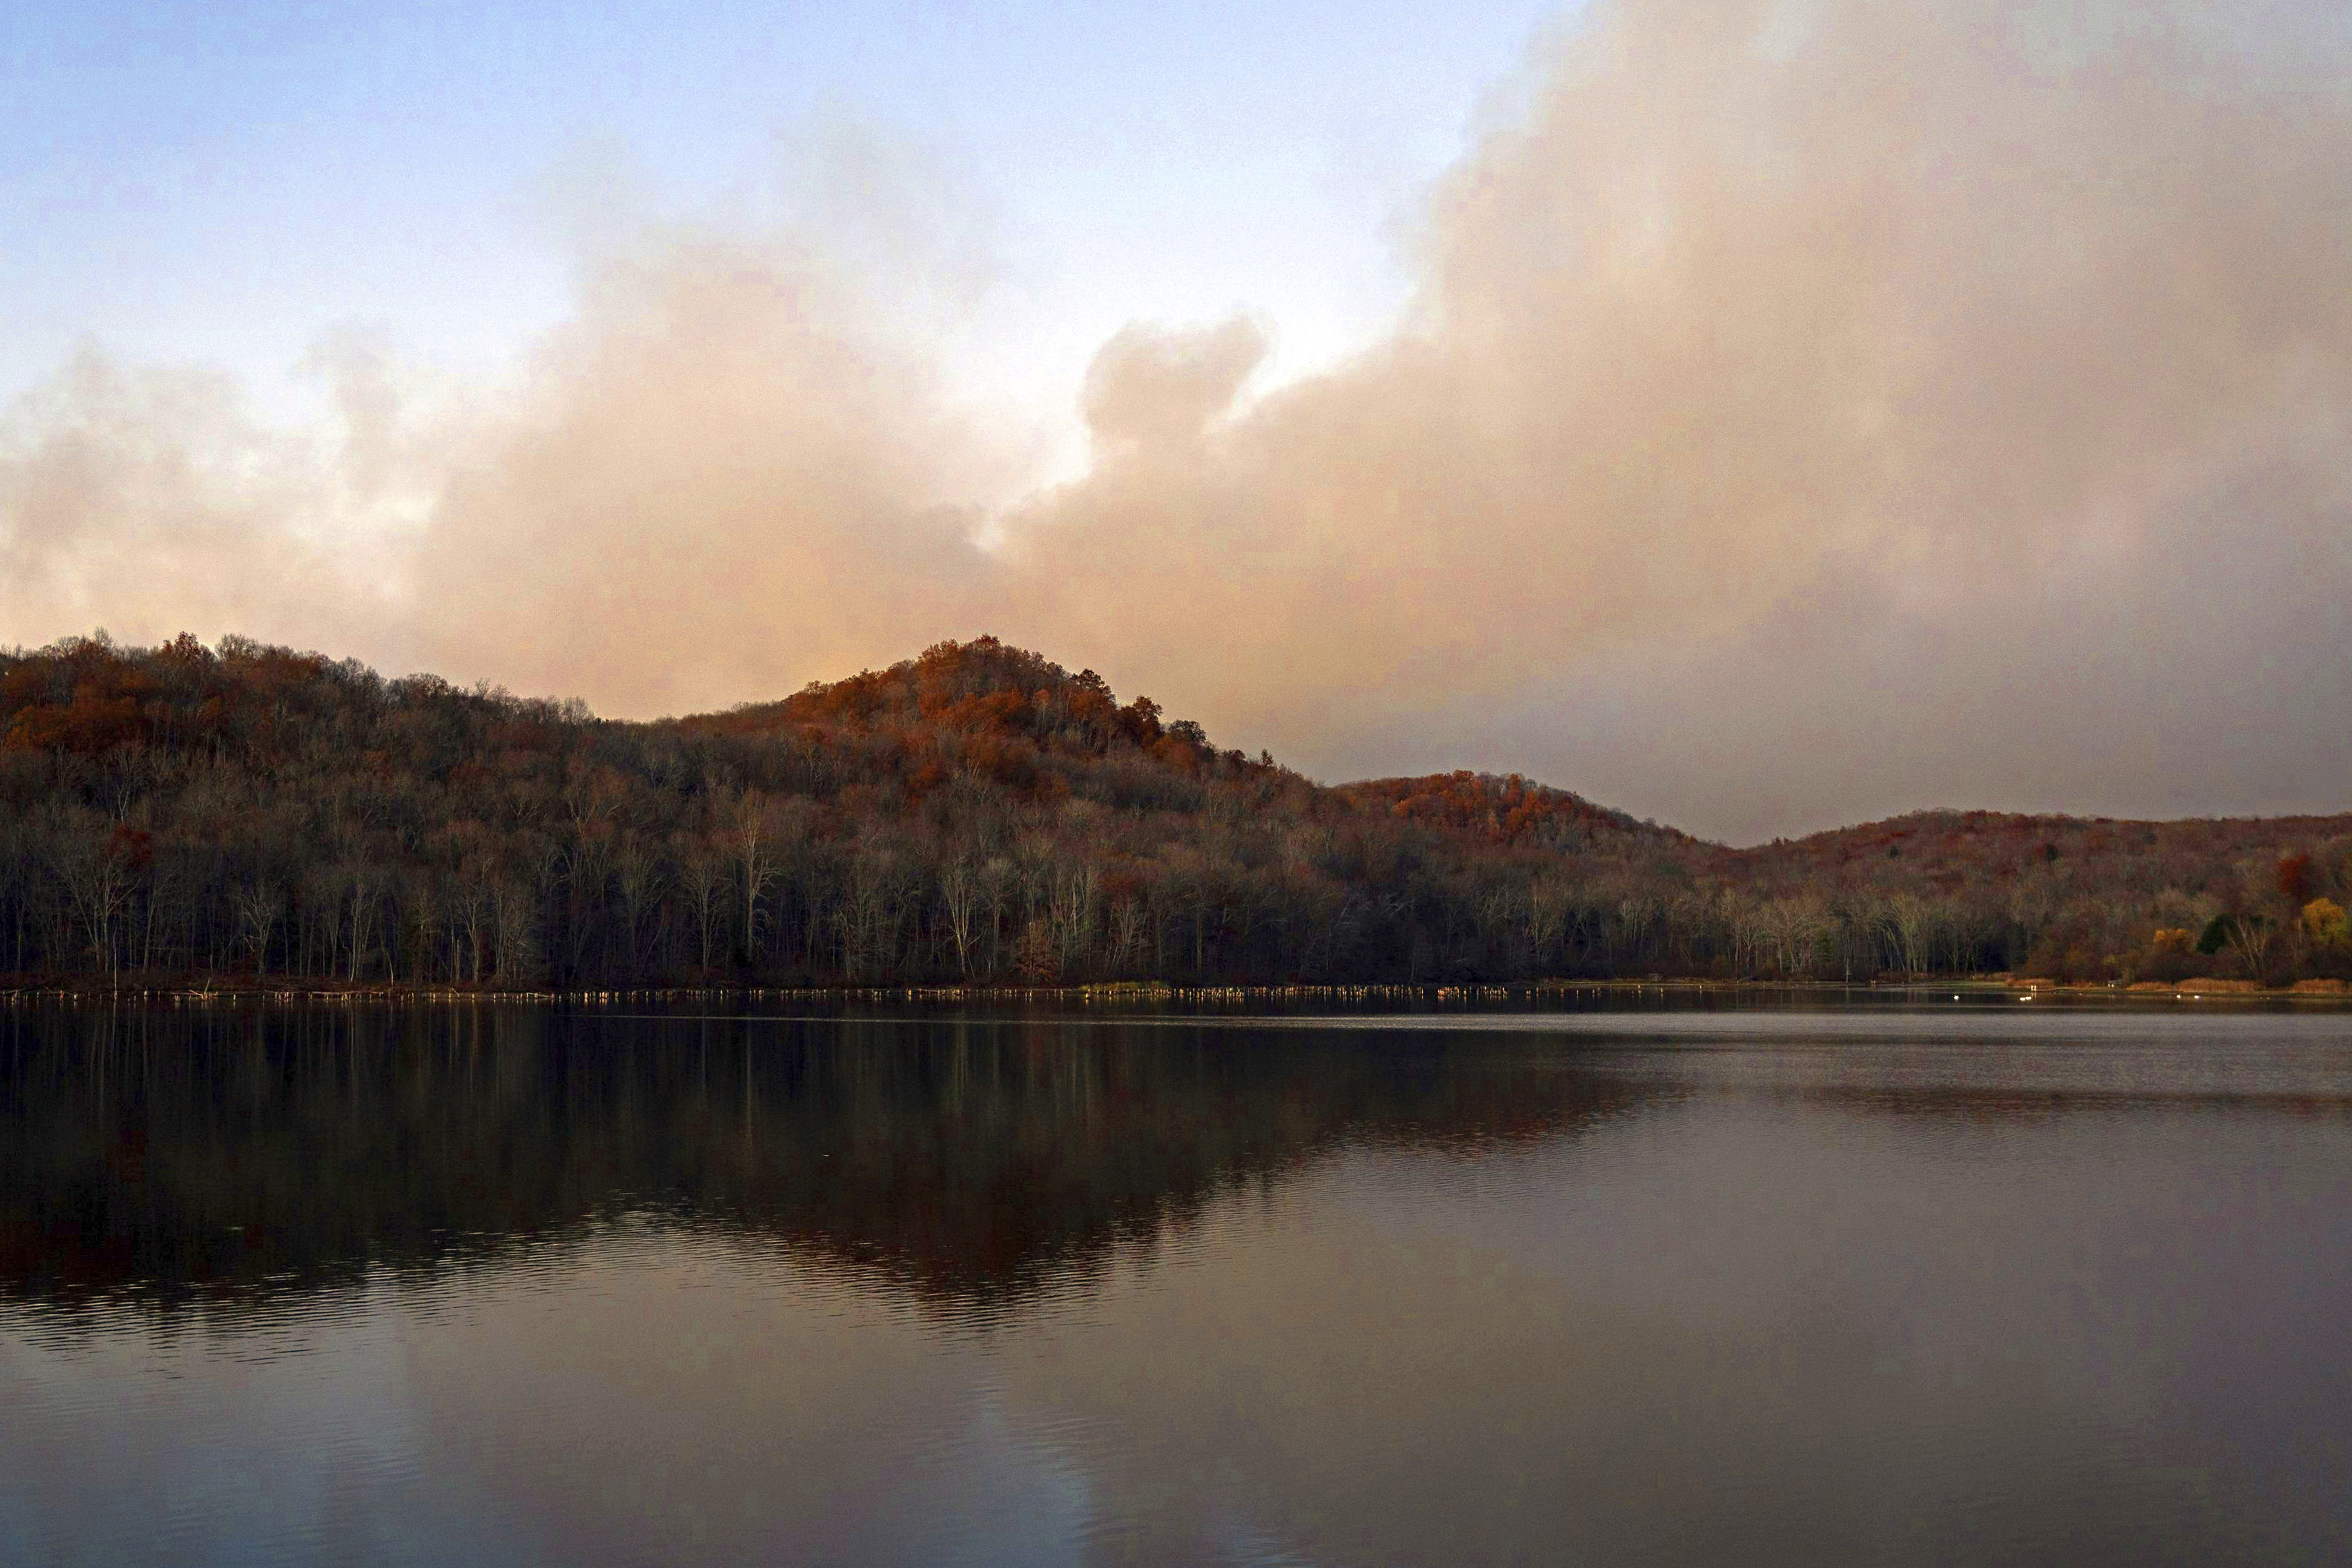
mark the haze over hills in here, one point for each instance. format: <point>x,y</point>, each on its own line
<point>980,814</point>
<point>1945,401</point>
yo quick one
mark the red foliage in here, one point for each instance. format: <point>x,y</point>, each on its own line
<point>1507,810</point>
<point>234,759</point>
<point>994,712</point>
<point>88,726</point>
<point>926,778</point>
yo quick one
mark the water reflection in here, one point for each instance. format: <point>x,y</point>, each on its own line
<point>191,1156</point>
<point>498,1286</point>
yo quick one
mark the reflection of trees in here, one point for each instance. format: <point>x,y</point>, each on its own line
<point>969,1162</point>
<point>2004,1105</point>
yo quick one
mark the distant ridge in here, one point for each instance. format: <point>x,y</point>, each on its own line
<point>978,815</point>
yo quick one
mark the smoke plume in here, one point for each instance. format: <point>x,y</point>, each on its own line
<point>1805,410</point>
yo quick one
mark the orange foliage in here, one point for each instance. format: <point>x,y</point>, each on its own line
<point>997,713</point>
<point>233,758</point>
<point>1507,810</point>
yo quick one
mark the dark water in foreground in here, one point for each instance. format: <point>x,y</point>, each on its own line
<point>1951,1284</point>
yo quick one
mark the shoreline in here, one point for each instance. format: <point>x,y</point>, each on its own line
<point>383,994</point>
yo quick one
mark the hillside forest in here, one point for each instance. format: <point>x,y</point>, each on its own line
<point>188,814</point>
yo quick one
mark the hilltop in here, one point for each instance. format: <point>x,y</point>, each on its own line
<point>978,813</point>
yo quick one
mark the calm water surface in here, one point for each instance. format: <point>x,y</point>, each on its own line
<point>1889,1284</point>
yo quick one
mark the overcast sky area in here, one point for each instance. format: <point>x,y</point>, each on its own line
<point>1756,416</point>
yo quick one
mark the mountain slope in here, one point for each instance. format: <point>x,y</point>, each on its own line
<point>978,813</point>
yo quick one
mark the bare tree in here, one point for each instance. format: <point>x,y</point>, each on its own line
<point>514,907</point>
<point>1793,925</point>
<point>2255,941</point>
<point>1636,911</point>
<point>469,919</point>
<point>962,895</point>
<point>1128,919</point>
<point>258,904</point>
<point>1070,912</point>
<point>90,864</point>
<point>998,884</point>
<point>872,910</point>
<point>1743,920</point>
<point>701,876</point>
<point>1544,917</point>
<point>363,888</point>
<point>1909,917</point>
<point>637,875</point>
<point>754,833</point>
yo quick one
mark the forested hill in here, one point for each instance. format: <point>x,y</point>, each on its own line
<point>978,813</point>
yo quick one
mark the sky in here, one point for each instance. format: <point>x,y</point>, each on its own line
<point>1757,415</point>
<point>223,183</point>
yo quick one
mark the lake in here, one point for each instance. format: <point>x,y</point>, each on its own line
<point>1950,1281</point>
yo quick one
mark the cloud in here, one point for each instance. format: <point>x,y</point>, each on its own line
<point>1785,384</point>
<point>141,499</point>
<point>714,485</point>
<point>1153,389</point>
<point>1861,370</point>
<point>1945,293</point>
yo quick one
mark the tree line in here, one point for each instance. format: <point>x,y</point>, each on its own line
<point>978,815</point>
